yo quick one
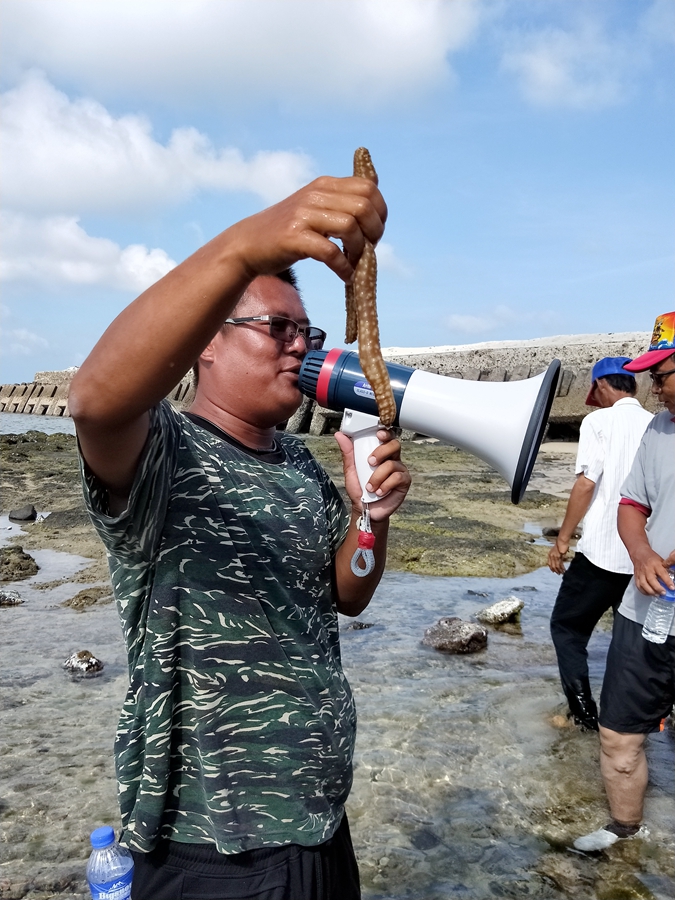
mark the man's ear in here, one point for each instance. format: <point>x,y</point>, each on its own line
<point>208,353</point>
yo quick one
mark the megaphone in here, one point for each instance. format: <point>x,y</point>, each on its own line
<point>503,423</point>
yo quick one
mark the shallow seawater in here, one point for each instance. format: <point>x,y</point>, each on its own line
<point>19,423</point>
<point>463,787</point>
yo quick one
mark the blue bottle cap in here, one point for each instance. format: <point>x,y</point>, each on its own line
<point>670,587</point>
<point>102,837</point>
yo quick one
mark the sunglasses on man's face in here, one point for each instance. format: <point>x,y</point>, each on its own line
<point>659,377</point>
<point>286,330</point>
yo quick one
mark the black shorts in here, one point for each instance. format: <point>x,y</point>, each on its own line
<point>179,871</point>
<point>639,686</point>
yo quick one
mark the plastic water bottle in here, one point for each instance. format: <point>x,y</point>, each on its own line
<point>110,867</point>
<point>660,614</point>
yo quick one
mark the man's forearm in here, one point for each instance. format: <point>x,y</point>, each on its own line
<point>631,523</point>
<point>577,506</point>
<point>354,593</point>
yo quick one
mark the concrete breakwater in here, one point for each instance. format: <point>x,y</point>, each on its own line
<point>47,394</point>
<point>490,361</point>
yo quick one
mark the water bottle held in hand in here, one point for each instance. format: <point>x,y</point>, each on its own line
<point>660,614</point>
<point>110,867</point>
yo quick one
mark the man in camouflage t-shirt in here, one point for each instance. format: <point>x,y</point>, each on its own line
<point>229,551</point>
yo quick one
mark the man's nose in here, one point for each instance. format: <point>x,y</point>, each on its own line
<point>299,339</point>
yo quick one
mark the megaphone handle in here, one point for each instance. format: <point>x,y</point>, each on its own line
<point>362,429</point>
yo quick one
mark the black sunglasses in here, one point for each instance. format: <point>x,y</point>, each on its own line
<point>659,377</point>
<point>286,330</point>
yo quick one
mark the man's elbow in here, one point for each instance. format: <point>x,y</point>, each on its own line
<point>77,400</point>
<point>585,484</point>
<point>90,404</point>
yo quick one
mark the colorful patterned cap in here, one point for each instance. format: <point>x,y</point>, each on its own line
<point>661,347</point>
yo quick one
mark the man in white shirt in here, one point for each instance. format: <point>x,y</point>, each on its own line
<point>601,568</point>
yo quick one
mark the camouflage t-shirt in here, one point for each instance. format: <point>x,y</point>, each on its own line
<point>238,725</point>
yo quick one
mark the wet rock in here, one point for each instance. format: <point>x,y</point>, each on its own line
<point>26,513</point>
<point>565,873</point>
<point>67,518</point>
<point>452,635</point>
<point>660,886</point>
<point>359,626</point>
<point>16,565</point>
<point>477,593</point>
<point>560,721</point>
<point>88,597</point>
<point>424,839</point>
<point>10,598</point>
<point>506,610</point>
<point>83,663</point>
<point>555,531</point>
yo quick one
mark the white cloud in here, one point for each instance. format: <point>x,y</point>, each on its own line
<point>21,342</point>
<point>581,68</point>
<point>73,156</point>
<point>215,53</point>
<point>388,261</point>
<point>658,22</point>
<point>57,251</point>
<point>495,318</point>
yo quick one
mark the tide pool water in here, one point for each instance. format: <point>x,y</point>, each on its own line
<point>463,786</point>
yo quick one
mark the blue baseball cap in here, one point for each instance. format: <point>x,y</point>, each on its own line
<point>609,365</point>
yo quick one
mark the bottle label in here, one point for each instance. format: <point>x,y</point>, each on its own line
<point>118,889</point>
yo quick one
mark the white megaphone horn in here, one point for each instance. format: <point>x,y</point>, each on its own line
<point>503,423</point>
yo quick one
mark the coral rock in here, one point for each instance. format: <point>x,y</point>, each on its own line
<point>83,663</point>
<point>10,598</point>
<point>454,636</point>
<point>506,610</point>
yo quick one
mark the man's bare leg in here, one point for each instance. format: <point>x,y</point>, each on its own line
<point>624,771</point>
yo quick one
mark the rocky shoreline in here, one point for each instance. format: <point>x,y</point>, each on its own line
<point>457,521</point>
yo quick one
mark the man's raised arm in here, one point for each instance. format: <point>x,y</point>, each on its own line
<point>154,341</point>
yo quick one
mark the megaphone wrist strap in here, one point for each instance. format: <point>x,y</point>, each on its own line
<point>366,542</point>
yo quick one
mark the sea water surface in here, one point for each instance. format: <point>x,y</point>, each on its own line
<point>18,423</point>
<point>463,787</point>
<point>465,783</point>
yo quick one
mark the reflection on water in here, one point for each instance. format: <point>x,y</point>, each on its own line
<point>462,786</point>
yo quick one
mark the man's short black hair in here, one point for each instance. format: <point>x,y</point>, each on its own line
<point>287,275</point>
<point>624,383</point>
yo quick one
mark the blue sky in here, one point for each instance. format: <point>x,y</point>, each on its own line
<point>524,147</point>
